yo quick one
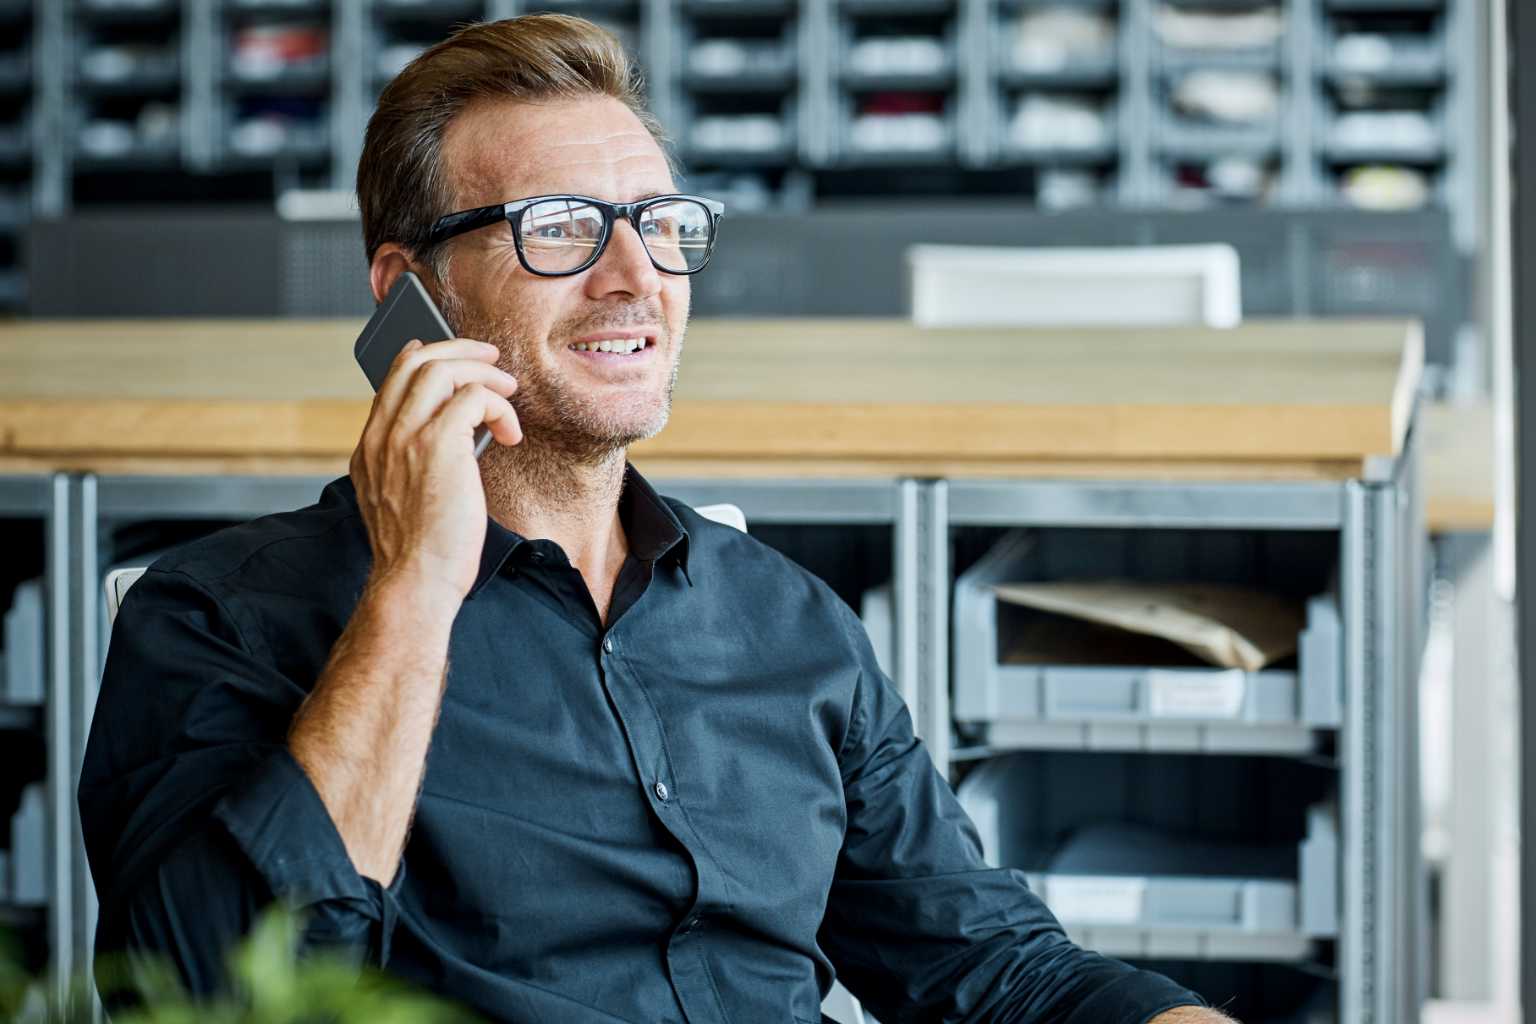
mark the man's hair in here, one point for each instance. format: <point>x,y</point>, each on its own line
<point>401,186</point>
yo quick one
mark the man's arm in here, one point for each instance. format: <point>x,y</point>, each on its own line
<point>362,735</point>
<point>195,812</point>
<point>920,928</point>
<point>209,789</point>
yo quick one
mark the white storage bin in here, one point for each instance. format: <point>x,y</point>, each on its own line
<point>1149,707</point>
<point>1141,891</point>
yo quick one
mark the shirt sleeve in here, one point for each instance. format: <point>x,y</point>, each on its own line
<point>195,815</point>
<point>921,929</point>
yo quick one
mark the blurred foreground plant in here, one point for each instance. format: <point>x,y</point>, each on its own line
<point>272,984</point>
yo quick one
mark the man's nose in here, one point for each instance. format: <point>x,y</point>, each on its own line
<point>625,266</point>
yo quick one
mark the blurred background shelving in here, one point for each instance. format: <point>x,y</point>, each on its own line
<point>36,797</point>
<point>785,106</point>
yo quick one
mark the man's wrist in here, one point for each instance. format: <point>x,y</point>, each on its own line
<point>413,597</point>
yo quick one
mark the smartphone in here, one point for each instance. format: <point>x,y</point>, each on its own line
<point>407,312</point>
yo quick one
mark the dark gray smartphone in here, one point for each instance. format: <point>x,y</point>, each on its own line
<point>407,312</point>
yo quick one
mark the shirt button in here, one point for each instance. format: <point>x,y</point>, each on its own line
<point>690,924</point>
<point>661,792</point>
<point>608,649</point>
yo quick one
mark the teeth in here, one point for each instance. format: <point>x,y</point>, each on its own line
<point>620,345</point>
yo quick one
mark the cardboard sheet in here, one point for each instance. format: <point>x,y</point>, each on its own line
<point>1224,625</point>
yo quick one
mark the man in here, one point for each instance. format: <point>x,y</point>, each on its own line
<point>667,781</point>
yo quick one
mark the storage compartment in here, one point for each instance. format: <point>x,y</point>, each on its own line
<point>1169,856</point>
<point>1078,685</point>
<point>740,130</point>
<point>897,68</point>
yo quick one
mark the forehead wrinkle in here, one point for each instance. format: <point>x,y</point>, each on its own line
<point>491,159</point>
<point>605,140</point>
<point>485,184</point>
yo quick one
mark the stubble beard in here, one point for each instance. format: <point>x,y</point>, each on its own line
<point>563,434</point>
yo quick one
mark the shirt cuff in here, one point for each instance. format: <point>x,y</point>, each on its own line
<point>281,824</point>
<point>1133,998</point>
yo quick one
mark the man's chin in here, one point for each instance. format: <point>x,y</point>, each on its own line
<point>593,440</point>
<point>622,436</point>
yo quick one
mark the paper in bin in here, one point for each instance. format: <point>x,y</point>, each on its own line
<point>1222,624</point>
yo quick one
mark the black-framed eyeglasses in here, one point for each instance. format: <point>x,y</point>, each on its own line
<point>565,234</point>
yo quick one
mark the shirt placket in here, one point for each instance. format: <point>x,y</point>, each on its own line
<point>688,967</point>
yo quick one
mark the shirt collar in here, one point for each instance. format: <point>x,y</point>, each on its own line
<point>652,527</point>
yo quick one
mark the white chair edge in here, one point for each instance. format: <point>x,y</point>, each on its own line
<point>730,515</point>
<point>117,583</point>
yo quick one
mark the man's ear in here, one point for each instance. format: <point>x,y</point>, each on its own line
<point>390,260</point>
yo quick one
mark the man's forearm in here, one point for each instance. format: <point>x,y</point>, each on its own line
<point>1191,1015</point>
<point>362,734</point>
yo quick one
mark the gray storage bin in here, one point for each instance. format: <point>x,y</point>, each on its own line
<point>29,848</point>
<point>1387,58</point>
<point>1150,707</point>
<point>877,610</point>
<point>13,288</point>
<point>917,59</point>
<point>1135,890</point>
<point>1184,138</point>
<point>24,640</point>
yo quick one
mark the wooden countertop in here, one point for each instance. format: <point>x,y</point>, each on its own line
<point>1268,400</point>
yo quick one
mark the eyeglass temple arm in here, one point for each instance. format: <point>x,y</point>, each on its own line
<point>466,220</point>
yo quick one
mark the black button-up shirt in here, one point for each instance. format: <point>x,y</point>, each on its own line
<point>697,813</point>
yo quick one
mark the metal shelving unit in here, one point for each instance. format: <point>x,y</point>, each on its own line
<point>126,90</point>
<point>1353,929</point>
<point>1352,819</point>
<point>36,725</point>
<point>1111,102</point>
<point>19,141</point>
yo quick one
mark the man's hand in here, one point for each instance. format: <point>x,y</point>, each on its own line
<point>418,484</point>
<point>1191,1015</point>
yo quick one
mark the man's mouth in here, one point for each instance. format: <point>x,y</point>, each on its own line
<point>615,347</point>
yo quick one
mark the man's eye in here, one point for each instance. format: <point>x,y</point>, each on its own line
<point>553,232</point>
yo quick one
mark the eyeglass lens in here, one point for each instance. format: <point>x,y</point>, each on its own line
<point>561,235</point>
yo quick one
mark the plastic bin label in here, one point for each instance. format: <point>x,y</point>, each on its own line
<point>1202,694</point>
<point>1096,899</point>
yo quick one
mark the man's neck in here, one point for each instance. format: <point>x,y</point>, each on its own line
<point>575,503</point>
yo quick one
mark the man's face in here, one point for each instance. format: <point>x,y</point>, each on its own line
<point>583,404</point>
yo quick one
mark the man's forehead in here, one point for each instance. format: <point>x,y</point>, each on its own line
<point>501,150</point>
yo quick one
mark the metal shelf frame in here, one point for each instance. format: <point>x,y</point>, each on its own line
<point>49,498</point>
<point>1383,554</point>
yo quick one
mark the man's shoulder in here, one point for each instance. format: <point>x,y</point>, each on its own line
<point>716,547</point>
<point>713,538</point>
<point>316,539</point>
